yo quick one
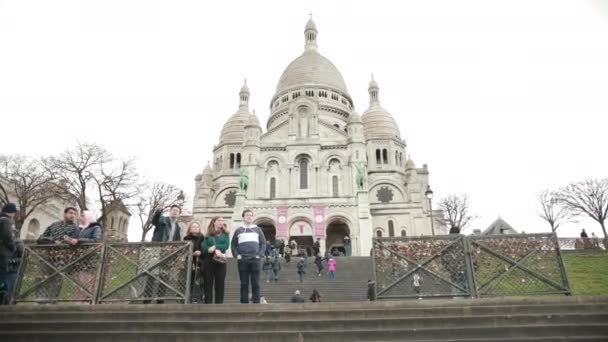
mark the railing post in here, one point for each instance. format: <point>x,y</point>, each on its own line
<point>562,269</point>
<point>469,267</point>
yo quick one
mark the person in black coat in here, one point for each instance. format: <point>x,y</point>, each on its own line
<point>319,263</point>
<point>195,236</point>
<point>11,252</point>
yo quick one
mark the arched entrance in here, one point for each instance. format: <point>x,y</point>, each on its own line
<point>33,229</point>
<point>301,231</point>
<point>337,229</point>
<point>268,228</point>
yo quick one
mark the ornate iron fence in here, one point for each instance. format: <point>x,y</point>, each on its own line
<point>142,272</point>
<point>471,266</point>
<point>59,273</point>
<point>421,267</point>
<point>523,264</point>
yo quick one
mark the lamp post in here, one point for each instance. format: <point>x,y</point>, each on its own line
<point>429,195</point>
<point>181,198</point>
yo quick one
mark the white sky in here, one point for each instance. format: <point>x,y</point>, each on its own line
<point>501,98</point>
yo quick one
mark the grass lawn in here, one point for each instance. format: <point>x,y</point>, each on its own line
<point>587,273</point>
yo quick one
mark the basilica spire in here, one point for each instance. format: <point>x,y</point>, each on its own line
<point>310,35</point>
<point>373,90</point>
<point>244,96</point>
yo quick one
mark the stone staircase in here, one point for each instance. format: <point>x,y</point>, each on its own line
<point>352,274</point>
<point>489,320</point>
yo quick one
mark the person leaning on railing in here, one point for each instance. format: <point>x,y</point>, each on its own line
<point>55,234</point>
<point>89,231</point>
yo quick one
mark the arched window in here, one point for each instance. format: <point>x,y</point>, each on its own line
<point>303,173</point>
<point>378,160</point>
<point>334,185</point>
<point>378,233</point>
<point>385,156</point>
<point>403,232</point>
<point>112,223</point>
<point>396,158</point>
<point>391,228</point>
<point>273,188</point>
<point>232,160</point>
<point>238,160</point>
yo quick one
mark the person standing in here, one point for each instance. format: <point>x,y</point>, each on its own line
<point>316,247</point>
<point>195,236</point>
<point>347,245</point>
<point>215,246</point>
<point>248,246</point>
<point>166,229</point>
<point>331,268</point>
<point>11,252</point>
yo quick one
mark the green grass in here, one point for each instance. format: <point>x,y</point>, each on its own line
<point>587,273</point>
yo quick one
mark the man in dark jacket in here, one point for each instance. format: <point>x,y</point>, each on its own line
<point>57,233</point>
<point>296,297</point>
<point>11,252</point>
<point>166,229</point>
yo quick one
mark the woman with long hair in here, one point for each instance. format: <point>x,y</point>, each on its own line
<point>196,280</point>
<point>215,246</point>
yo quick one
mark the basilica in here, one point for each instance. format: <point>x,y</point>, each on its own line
<point>318,170</point>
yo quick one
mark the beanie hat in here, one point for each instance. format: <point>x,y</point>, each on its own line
<point>9,208</point>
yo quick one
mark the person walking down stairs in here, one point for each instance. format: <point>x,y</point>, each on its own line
<point>267,268</point>
<point>319,263</point>
<point>331,268</point>
<point>301,269</point>
<point>276,267</point>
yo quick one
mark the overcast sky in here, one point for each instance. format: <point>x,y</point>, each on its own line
<point>500,98</point>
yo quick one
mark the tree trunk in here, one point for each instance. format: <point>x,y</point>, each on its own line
<point>603,224</point>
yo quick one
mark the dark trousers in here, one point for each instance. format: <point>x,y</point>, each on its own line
<point>7,284</point>
<point>249,271</point>
<point>215,275</point>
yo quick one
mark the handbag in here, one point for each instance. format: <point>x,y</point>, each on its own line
<point>218,258</point>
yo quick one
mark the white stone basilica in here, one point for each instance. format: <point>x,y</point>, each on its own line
<point>319,170</point>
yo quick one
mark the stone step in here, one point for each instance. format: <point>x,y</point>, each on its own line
<point>276,312</point>
<point>304,325</point>
<point>597,332</point>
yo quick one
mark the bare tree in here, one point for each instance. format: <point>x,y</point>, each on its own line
<point>589,197</point>
<point>159,196</point>
<point>456,214</point>
<point>29,181</point>
<point>116,180</point>
<point>552,210</point>
<point>77,167</point>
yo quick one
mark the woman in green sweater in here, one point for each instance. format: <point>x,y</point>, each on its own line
<point>214,270</point>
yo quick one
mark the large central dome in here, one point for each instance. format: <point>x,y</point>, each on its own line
<point>311,68</point>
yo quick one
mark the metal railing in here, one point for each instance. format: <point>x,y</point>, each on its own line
<point>573,243</point>
<point>104,273</point>
<point>468,266</point>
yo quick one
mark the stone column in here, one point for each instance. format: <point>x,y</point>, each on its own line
<point>364,245</point>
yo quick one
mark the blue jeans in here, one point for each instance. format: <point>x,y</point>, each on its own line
<point>301,275</point>
<point>269,274</point>
<point>7,284</point>
<point>249,271</point>
<point>347,250</point>
<point>332,275</point>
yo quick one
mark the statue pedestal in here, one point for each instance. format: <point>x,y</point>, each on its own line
<point>365,224</point>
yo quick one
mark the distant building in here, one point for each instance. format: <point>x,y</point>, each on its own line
<point>499,227</point>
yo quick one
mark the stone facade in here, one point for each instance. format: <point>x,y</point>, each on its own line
<point>302,172</point>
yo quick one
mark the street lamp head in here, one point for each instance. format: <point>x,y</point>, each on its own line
<point>428,193</point>
<point>181,197</point>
